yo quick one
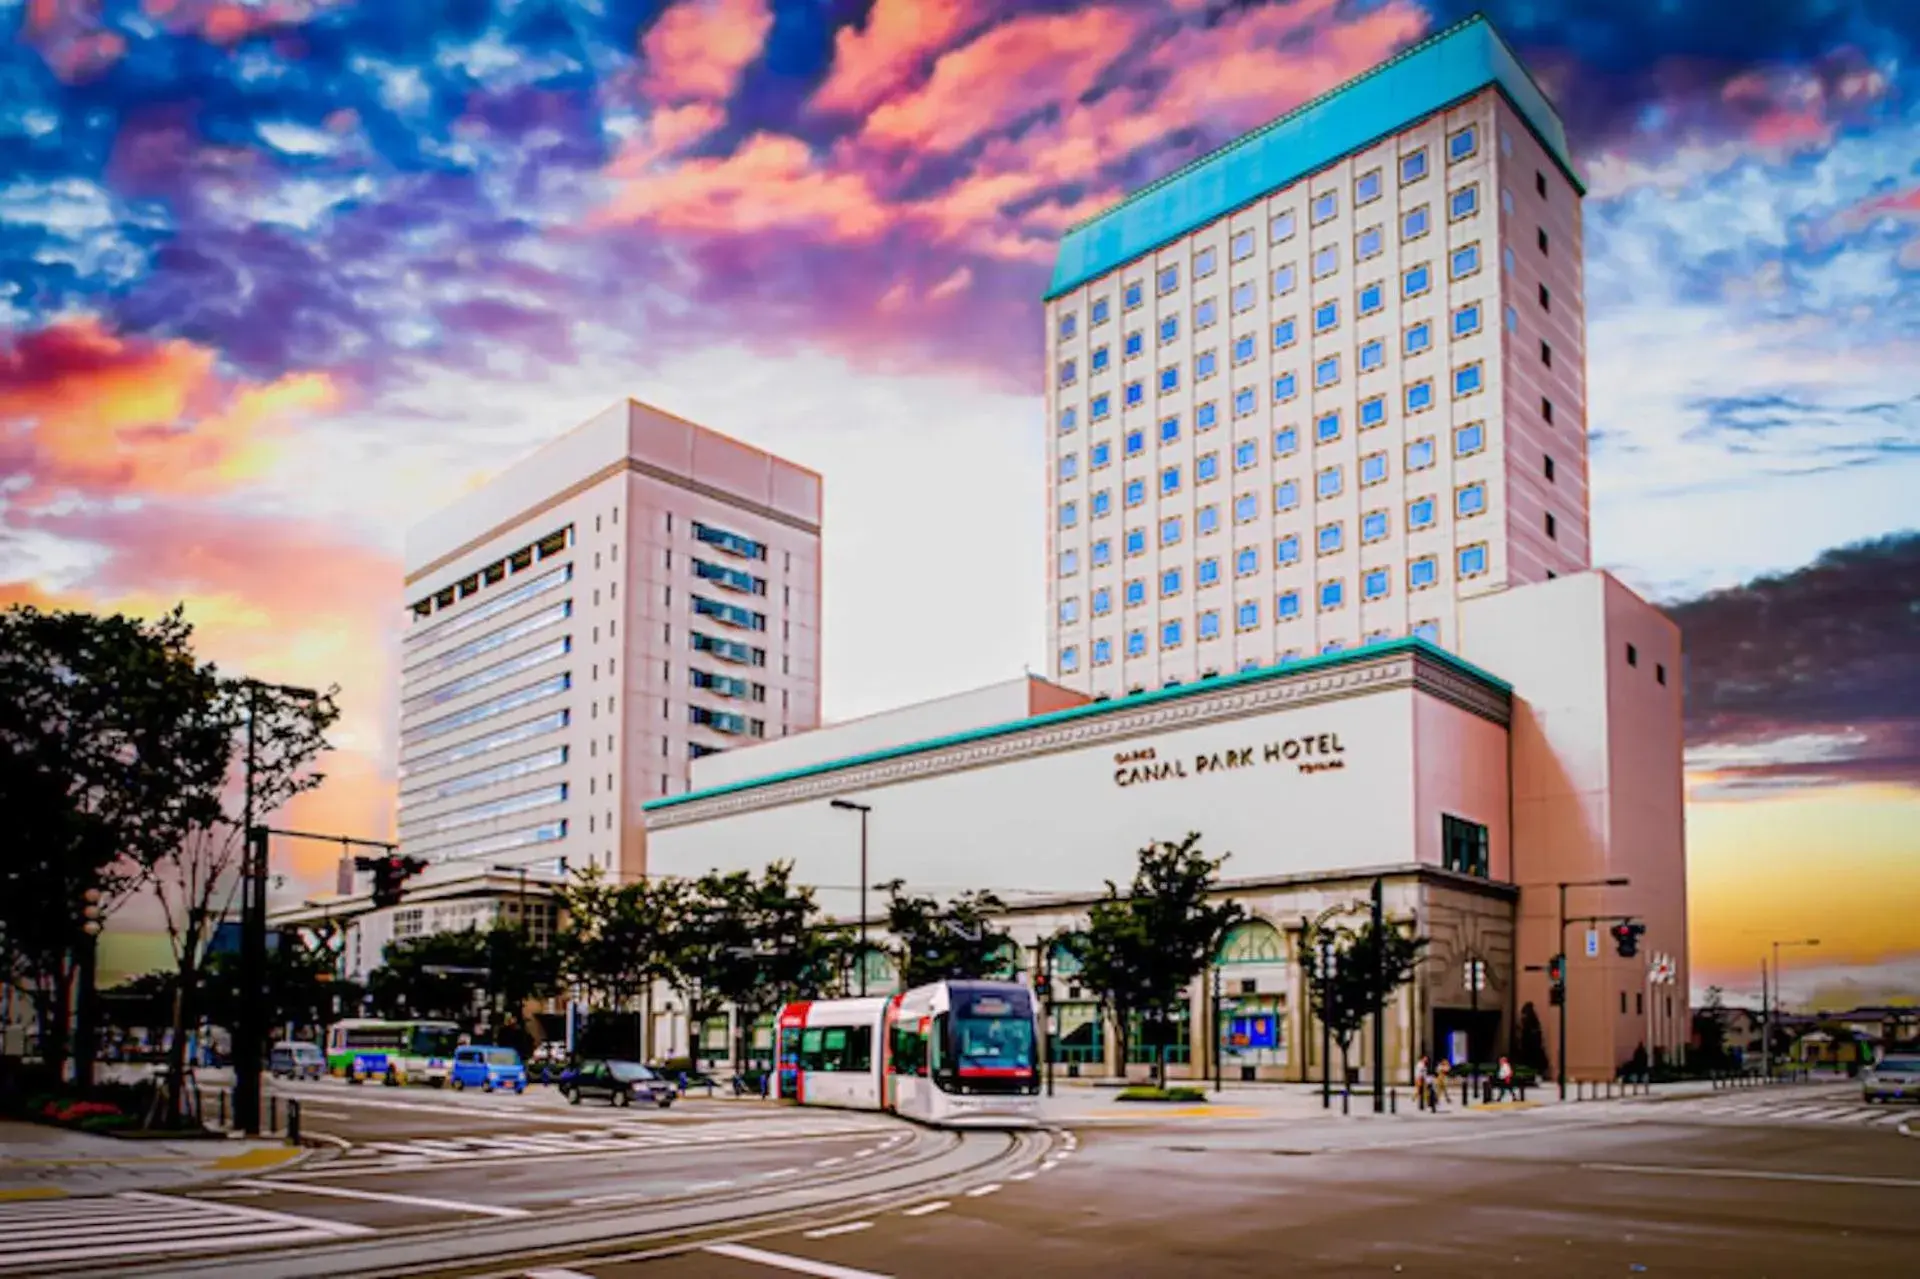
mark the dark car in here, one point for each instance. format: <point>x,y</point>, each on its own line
<point>621,1082</point>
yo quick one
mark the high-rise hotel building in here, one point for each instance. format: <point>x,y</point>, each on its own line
<point>638,593</point>
<point>1323,385</point>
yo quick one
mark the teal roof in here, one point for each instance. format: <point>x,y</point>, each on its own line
<point>1444,69</point>
<point>1091,710</point>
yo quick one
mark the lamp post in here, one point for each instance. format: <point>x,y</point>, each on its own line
<point>86,1022</point>
<point>1560,941</point>
<point>1766,1045</point>
<point>1476,978</point>
<point>863,810</point>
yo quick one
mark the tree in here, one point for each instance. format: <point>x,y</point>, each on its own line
<point>1365,966</point>
<point>1710,1029</point>
<point>1532,1052</point>
<point>937,942</point>
<point>111,748</point>
<point>299,987</point>
<point>617,938</point>
<point>1142,949</point>
<point>438,975</point>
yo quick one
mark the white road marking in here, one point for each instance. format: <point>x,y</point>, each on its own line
<point>780,1172</point>
<point>924,1209</point>
<point>138,1223</point>
<point>782,1261</point>
<point>555,1274</point>
<point>380,1196</point>
<point>987,1189</point>
<point>1050,1165</point>
<point>1760,1174</point>
<point>699,1186</point>
<point>828,1163</point>
<point>1022,1176</point>
<point>828,1232</point>
<point>323,1114</point>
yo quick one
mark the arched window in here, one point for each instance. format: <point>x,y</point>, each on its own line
<point>1252,942</point>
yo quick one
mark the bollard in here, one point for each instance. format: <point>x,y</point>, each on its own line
<point>293,1122</point>
<point>1393,1101</point>
<point>273,1114</point>
<point>223,1108</point>
<point>1345,1099</point>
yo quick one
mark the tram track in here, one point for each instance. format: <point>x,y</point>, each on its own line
<point>655,1227</point>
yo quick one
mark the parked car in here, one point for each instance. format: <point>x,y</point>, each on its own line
<point>1895,1077</point>
<point>293,1059</point>
<point>485,1068</point>
<point>621,1082</point>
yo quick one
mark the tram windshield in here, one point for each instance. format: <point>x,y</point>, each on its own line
<point>992,1034</point>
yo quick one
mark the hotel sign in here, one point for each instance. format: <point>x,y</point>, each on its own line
<point>1318,753</point>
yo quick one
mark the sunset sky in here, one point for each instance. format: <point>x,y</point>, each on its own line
<point>278,278</point>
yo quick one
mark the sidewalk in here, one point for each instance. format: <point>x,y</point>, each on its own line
<point>38,1161</point>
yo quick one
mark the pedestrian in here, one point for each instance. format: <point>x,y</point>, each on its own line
<point>1505,1080</point>
<point>1442,1070</point>
<point>1420,1075</point>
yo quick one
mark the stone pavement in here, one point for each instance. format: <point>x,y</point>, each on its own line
<point>38,1161</point>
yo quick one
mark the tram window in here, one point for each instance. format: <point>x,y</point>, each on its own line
<point>909,1051</point>
<point>859,1055</point>
<point>810,1049</point>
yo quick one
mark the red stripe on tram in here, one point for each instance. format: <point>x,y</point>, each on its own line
<point>995,1072</point>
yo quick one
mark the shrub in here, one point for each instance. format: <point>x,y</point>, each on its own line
<point>107,1123</point>
<point>1148,1092</point>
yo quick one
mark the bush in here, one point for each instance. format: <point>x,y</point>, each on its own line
<point>1148,1092</point>
<point>107,1123</point>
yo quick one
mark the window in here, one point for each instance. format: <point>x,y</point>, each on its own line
<point>1332,594</point>
<point>1469,439</point>
<point>1136,442</point>
<point>1069,465</point>
<point>1465,202</point>
<point>1473,560</point>
<point>1330,538</point>
<point>1100,408</point>
<point>1243,402</point>
<point>1326,316</point>
<point>1245,454</point>
<point>1207,572</point>
<point>1326,428</point>
<point>1170,378</point>
<point>1285,387</point>
<point>1068,323</point>
<point>1102,652</point>
<point>1546,409</point>
<point>1136,492</point>
<point>1366,187</point>
<point>1507,258</point>
<point>1135,344</point>
<point>1207,520</point>
<point>1546,299</point>
<point>1325,262</point>
<point>1420,396</point>
<point>1286,441</point>
<point>1068,373</point>
<point>1327,371</point>
<point>1243,298</point>
<point>1372,298</point>
<point>1287,550</point>
<point>1466,321</point>
<point>1467,379</point>
<point>1329,482</point>
<point>1633,656</point>
<point>1548,468</point>
<point>1102,503</point>
<point>1546,354</point>
<point>1286,495</point>
<point>1132,296</point>
<point>1245,507</point>
<point>1170,582</point>
<point>1413,165</point>
<point>1206,468</point>
<point>1428,631</point>
<point>1247,616</point>
<point>1205,416</point>
<point>1206,313</point>
<point>1102,553</point>
<point>1463,849</point>
<point>1660,672</point>
<point>1463,144</point>
<point>1069,514</point>
<point>1542,239</point>
<point>1102,602</point>
<point>1203,263</point>
<point>1099,361</point>
<point>1506,201</point>
<point>1373,355</point>
<point>1210,625</point>
<point>1373,526</point>
<point>1136,593</point>
<point>1246,562</point>
<point>1513,320</point>
<point>1373,468</point>
<point>1170,328</point>
<point>1168,279</point>
<point>1466,261</point>
<point>1420,454</point>
<point>1552,526</point>
<point>1170,531</point>
<point>1241,247</point>
<point>1136,541</point>
<point>1069,418</point>
<point>1419,337</point>
<point>1069,562</point>
<point>1540,183</point>
<point>1243,349</point>
<point>1099,455</point>
<point>1170,480</point>
<point>1203,366</point>
<point>1134,394</point>
<point>1423,572</point>
<point>1370,244</point>
<point>1415,223</point>
<point>1416,281</point>
<point>1373,412</point>
<point>1373,585</point>
<point>1099,312</point>
<point>1136,643</point>
<point>1420,513</point>
<point>1281,227</point>
<point>1170,635</point>
<point>1326,207</point>
<point>1284,279</point>
<point>1283,334</point>
<point>1069,662</point>
<point>1470,499</point>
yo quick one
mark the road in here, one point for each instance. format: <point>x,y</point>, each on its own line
<point>1780,1182</point>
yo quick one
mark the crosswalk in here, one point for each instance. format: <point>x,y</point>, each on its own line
<point>1834,1109</point>
<point>611,1139</point>
<point>38,1234</point>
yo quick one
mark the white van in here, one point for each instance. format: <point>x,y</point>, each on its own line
<point>295,1059</point>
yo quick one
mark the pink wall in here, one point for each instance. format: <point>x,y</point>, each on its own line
<point>1459,767</point>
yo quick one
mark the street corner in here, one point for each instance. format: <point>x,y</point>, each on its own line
<point>262,1159</point>
<point>26,1194</point>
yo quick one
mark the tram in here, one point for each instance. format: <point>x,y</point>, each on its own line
<point>953,1054</point>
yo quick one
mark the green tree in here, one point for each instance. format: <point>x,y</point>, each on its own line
<point>1365,966</point>
<point>299,988</point>
<point>439,975</point>
<point>1142,948</point>
<point>618,938</point>
<point>955,940</point>
<point>112,747</point>
<point>1710,1022</point>
<point>1532,1050</point>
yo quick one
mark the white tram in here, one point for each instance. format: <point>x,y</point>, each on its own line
<point>954,1054</point>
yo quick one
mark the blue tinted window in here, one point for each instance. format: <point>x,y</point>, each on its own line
<point>1287,605</point>
<point>1245,507</point>
<point>1207,468</point>
<point>1466,320</point>
<point>1136,442</point>
<point>1418,281</point>
<point>1367,188</point>
<point>1373,468</point>
<point>1243,402</point>
<point>1419,338</point>
<point>1326,427</point>
<point>1069,562</point>
<point>1463,144</point>
<point>1373,355</point>
<point>1136,492</point>
<point>1069,465</point>
<point>1132,297</point>
<point>1100,359</point>
<point>1287,550</point>
<point>1327,371</point>
<point>1205,313</point>
<point>1374,584</point>
<point>1419,396</point>
<point>1246,561</point>
<point>1413,165</point>
<point>1102,502</point>
<point>1169,430</point>
<point>1136,592</point>
<point>1466,381</point>
<point>1102,651</point>
<point>1169,278</point>
<point>1100,311</point>
<point>1373,526</point>
<point>1100,407</point>
<point>1102,602</point>
<point>1208,519</point>
<point>1423,571</point>
<point>1330,539</point>
<point>1245,454</point>
<point>1285,441</point>
<point>1102,553</point>
<point>1326,262</point>
<point>1283,333</point>
<point>1286,495</point>
<point>1283,279</point>
<point>1414,224</point>
<point>1204,365</point>
<point>1069,417</point>
<point>1419,454</point>
<point>1471,500</point>
<point>1070,658</point>
<point>1135,393</point>
<point>1067,326</point>
<point>1464,201</point>
<point>1332,594</point>
<point>1207,572</point>
<point>1136,643</point>
<point>1169,634</point>
<point>1205,416</point>
<point>1170,379</point>
<point>1170,328</point>
<point>1420,513</point>
<point>1466,261</point>
<point>1428,631</point>
<point>1372,298</point>
<point>1284,388</point>
<point>1170,480</point>
<point>1242,350</point>
<point>1137,542</point>
<point>1373,412</point>
<point>1170,531</point>
<point>1069,514</point>
<point>1473,560</point>
<point>1068,372</point>
<point>1370,243</point>
<point>1170,582</point>
<point>1325,207</point>
<point>1135,343</point>
<point>1209,625</point>
<point>1100,454</point>
<point>1325,316</point>
<point>1247,616</point>
<point>1329,482</point>
<point>1469,439</point>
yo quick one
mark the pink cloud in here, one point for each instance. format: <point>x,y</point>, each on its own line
<point>770,183</point>
<point>698,49</point>
<point>871,62</point>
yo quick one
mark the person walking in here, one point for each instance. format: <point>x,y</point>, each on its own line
<point>1504,1080</point>
<point>1442,1071</point>
<point>1420,1078</point>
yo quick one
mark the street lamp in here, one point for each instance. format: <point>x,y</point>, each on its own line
<point>1560,941</point>
<point>863,810</point>
<point>1768,1005</point>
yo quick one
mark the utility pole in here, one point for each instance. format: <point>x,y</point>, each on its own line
<point>863,810</point>
<point>1380,986</point>
<point>1773,1005</point>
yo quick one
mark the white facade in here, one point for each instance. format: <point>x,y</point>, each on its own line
<point>1320,420</point>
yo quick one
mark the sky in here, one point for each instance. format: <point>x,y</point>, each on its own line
<point>280,277</point>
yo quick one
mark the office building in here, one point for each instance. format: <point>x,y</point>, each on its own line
<point>1323,385</point>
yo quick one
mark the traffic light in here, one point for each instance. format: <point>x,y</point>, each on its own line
<point>1042,985</point>
<point>390,874</point>
<point>1626,938</point>
<point>1557,980</point>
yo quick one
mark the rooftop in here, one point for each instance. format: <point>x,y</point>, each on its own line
<point>1443,69</point>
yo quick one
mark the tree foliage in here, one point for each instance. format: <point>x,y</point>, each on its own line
<point>471,977</point>
<point>1710,1030</point>
<point>1363,968</point>
<point>1142,948</point>
<point>618,938</point>
<point>957,940</point>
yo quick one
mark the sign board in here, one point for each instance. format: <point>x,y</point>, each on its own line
<point>1593,943</point>
<point>1251,1033</point>
<point>1457,1047</point>
<point>1314,753</point>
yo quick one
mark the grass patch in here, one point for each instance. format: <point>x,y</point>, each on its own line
<point>1147,1092</point>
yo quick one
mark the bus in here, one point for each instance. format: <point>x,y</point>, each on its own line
<point>952,1054</point>
<point>396,1052</point>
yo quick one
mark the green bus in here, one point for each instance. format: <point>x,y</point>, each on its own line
<point>396,1052</point>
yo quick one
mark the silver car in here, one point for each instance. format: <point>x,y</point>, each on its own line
<point>1895,1077</point>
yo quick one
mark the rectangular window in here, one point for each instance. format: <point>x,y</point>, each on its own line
<point>1246,562</point>
<point>1372,299</point>
<point>1473,560</point>
<point>1170,531</point>
<point>1207,520</point>
<point>1373,526</point>
<point>1543,239</point>
<point>1287,606</point>
<point>1470,500</point>
<point>1136,643</point>
<point>1069,562</point>
<point>1553,526</point>
<point>1413,165</point>
<point>1416,281</point>
<point>1415,223</point>
<point>1243,402</point>
<point>1069,663</point>
<point>1205,416</point>
<point>1332,595</point>
<point>1069,465</point>
<point>1286,495</point>
<point>1100,311</point>
<point>1169,379</point>
<point>1170,480</point>
<point>1136,442</point>
<point>1169,328</point>
<point>1206,468</point>
<point>1204,364</point>
<point>1467,379</point>
<point>1170,635</point>
<point>1242,349</point>
<point>1100,360</point>
<point>1325,262</point>
<point>1373,468</point>
<point>1420,513</point>
<point>1326,207</point>
<point>1100,408</point>
<point>1099,455</point>
<point>1245,454</point>
<point>1285,387</point>
<point>1286,441</point>
<point>1546,354</point>
<point>1327,371</point>
<point>1102,503</point>
<point>1326,428</point>
<point>1464,848</point>
<point>1283,280</point>
<point>1326,316</point>
<point>1168,279</point>
<point>1067,325</point>
<point>1464,203</point>
<point>1135,393</point>
<point>1370,244</point>
<point>1245,507</point>
<point>1466,261</point>
<point>1170,582</point>
<point>1420,454</point>
<point>1135,343</point>
<point>1068,372</point>
<point>1102,602</point>
<point>1136,492</point>
<point>1207,572</point>
<point>1419,337</point>
<point>1136,593</point>
<point>1463,144</point>
<point>1546,299</point>
<point>1243,298</point>
<point>1132,296</point>
<point>1069,514</point>
<point>1287,550</point>
<point>1420,396</point>
<point>1423,572</point>
<point>1210,625</point>
<point>1373,355</point>
<point>1373,412</point>
<point>1203,263</point>
<point>1281,227</point>
<point>1469,439</point>
<point>1330,538</point>
<point>1069,418</point>
<point>1466,321</point>
<point>1547,468</point>
<point>1102,652</point>
<point>1366,188</point>
<point>1241,247</point>
<point>1546,410</point>
<point>1206,313</point>
<point>1283,334</point>
<point>1373,585</point>
<point>1102,553</point>
<point>1329,483</point>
